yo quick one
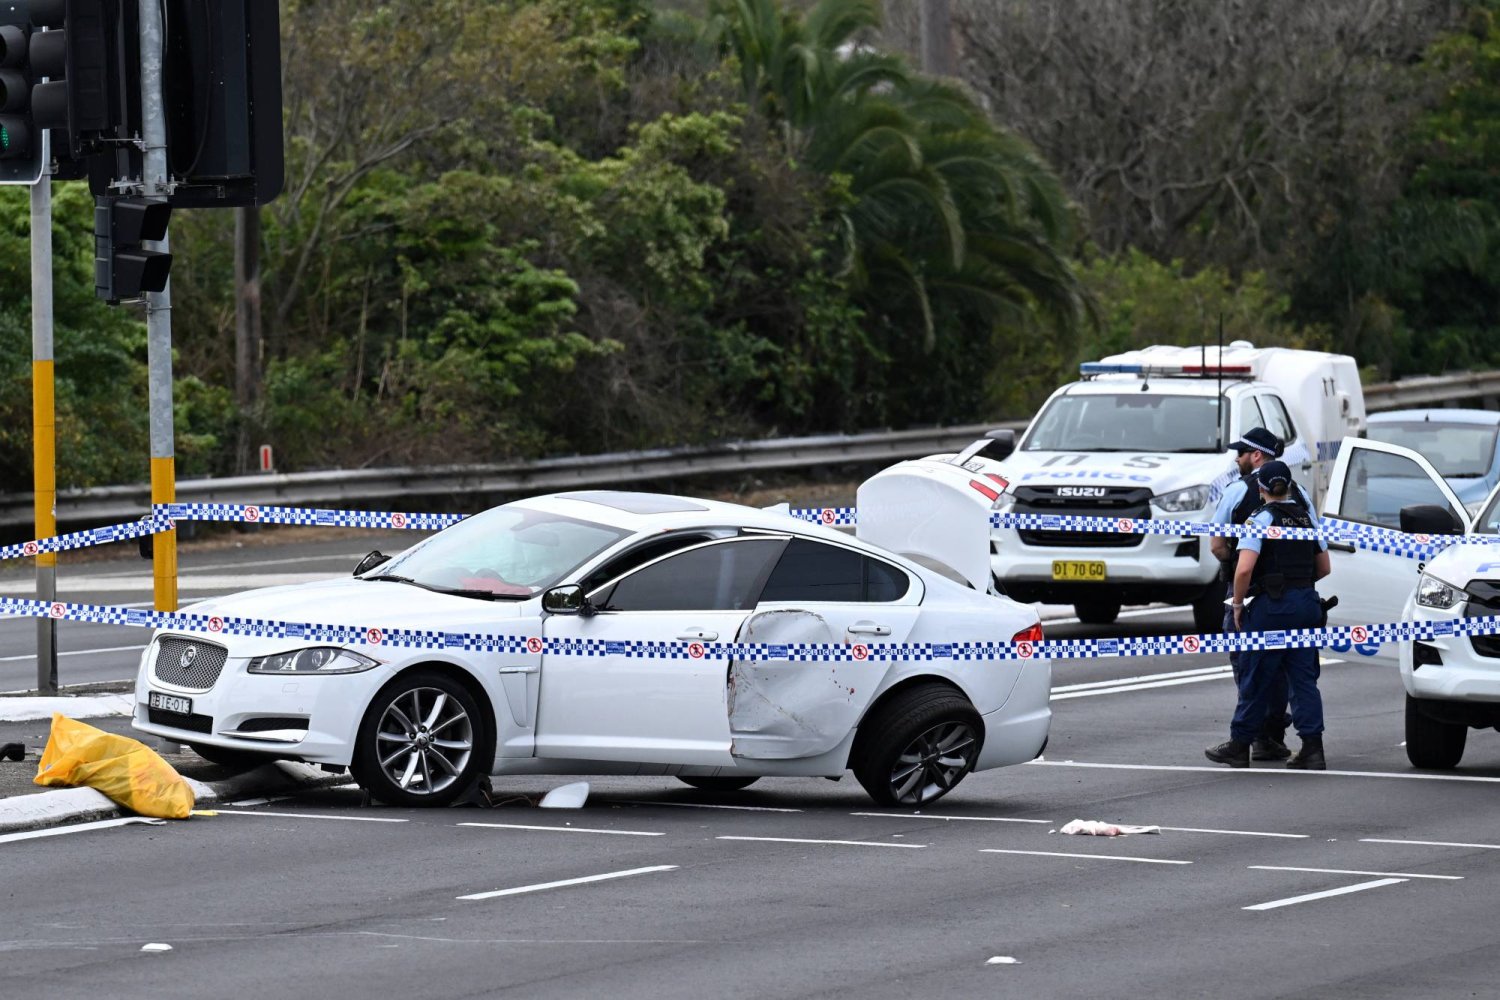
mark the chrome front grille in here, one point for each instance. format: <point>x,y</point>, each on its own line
<point>188,663</point>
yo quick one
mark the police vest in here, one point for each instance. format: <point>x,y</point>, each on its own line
<point>1291,559</point>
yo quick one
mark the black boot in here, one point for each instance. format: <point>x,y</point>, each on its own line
<point>1310,757</point>
<point>1271,746</point>
<point>1232,752</point>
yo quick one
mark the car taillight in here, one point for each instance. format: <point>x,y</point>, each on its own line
<point>1032,634</point>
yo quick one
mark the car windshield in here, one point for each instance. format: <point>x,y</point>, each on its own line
<point>1127,421</point>
<point>1488,521</point>
<point>1457,451</point>
<point>506,552</point>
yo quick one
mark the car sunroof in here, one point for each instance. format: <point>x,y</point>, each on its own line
<point>635,503</point>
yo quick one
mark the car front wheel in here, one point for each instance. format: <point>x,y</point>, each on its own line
<point>1432,743</point>
<point>918,746</point>
<point>421,742</point>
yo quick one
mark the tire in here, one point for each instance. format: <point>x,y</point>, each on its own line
<point>718,784</point>
<point>1208,612</point>
<point>244,759</point>
<point>918,746</point>
<point>421,743</point>
<point>1099,611</point>
<point>1431,743</point>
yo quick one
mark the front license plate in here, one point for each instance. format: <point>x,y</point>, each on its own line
<point>171,703</point>
<point>1078,569</point>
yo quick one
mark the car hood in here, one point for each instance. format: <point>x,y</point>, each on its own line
<point>1459,563</point>
<point>364,604</point>
<point>1160,472</point>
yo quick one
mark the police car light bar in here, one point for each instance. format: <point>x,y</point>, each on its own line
<point>1200,371</point>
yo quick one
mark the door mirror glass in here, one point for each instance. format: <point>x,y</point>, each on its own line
<point>1429,519</point>
<point>565,600</point>
<point>370,561</point>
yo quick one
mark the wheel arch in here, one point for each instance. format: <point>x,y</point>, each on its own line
<point>894,691</point>
<point>459,675</point>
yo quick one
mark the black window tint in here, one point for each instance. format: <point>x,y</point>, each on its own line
<point>721,577</point>
<point>810,571</point>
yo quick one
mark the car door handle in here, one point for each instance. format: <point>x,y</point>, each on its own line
<point>1340,547</point>
<point>869,628</point>
<point>699,635</point>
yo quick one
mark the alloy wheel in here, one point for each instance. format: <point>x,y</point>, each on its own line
<point>424,740</point>
<point>933,762</point>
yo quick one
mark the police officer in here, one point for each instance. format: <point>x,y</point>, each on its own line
<point>1273,590</point>
<point>1240,500</point>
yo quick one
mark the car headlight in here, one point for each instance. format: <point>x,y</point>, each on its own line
<point>314,660</point>
<point>1177,501</point>
<point>1435,593</point>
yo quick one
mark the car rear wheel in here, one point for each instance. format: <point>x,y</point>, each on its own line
<point>1097,611</point>
<point>918,746</point>
<point>226,757</point>
<point>1432,743</point>
<point>717,784</point>
<point>421,742</point>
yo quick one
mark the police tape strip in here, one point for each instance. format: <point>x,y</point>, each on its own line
<point>83,539</point>
<point>1339,638</point>
<point>257,514</point>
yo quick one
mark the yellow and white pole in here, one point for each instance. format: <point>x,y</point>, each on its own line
<point>43,420</point>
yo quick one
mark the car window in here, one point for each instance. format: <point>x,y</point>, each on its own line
<point>1250,417</point>
<point>1457,451</point>
<point>719,576</point>
<point>1278,421</point>
<point>1378,485</point>
<point>1127,421</point>
<point>814,571</point>
<point>640,555</point>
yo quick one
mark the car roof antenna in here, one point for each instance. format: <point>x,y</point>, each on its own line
<point>1219,433</point>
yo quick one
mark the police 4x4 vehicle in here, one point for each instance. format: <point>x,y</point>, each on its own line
<point>1149,434</point>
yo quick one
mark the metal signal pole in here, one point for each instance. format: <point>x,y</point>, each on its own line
<point>43,418</point>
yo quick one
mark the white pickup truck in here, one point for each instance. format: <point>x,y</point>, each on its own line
<point>1149,434</point>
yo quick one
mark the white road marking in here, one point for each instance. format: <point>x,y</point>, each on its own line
<point>1293,900</point>
<point>58,831</point>
<point>844,843</point>
<point>1235,833</point>
<point>564,829</point>
<point>967,819</point>
<point>1146,682</point>
<point>1347,871</point>
<point>1089,857</point>
<point>707,805</point>
<point>1200,672</point>
<point>1263,771</point>
<point>567,881</point>
<point>78,652</point>
<point>1222,673</point>
<point>1428,843</point>
<point>351,819</point>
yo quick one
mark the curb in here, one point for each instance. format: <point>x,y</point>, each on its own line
<point>36,811</point>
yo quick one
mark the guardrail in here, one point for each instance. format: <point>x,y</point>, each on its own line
<point>354,487</point>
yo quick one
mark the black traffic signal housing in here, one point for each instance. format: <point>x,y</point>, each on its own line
<point>20,139</point>
<point>79,56</point>
<point>123,267</point>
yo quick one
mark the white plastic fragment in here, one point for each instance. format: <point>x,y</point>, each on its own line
<point>1098,828</point>
<point>1003,960</point>
<point>156,946</point>
<point>566,796</point>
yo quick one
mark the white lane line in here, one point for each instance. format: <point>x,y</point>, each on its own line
<point>707,805</point>
<point>350,819</point>
<point>1293,900</point>
<point>967,819</point>
<point>1428,843</point>
<point>1264,771</point>
<point>564,829</point>
<point>843,843</point>
<point>1089,857</point>
<point>1147,682</point>
<point>568,881</point>
<point>1116,681</point>
<point>58,831</point>
<point>1223,674</point>
<point>78,652</point>
<point>1235,833</point>
<point>1347,871</point>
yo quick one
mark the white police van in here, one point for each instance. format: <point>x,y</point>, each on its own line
<point>1149,434</point>
<point>1452,682</point>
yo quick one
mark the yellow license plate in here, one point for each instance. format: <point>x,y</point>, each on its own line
<point>1077,569</point>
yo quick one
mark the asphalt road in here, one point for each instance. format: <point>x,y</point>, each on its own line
<point>1369,880</point>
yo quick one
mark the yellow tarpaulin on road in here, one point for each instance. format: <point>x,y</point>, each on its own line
<point>129,772</point>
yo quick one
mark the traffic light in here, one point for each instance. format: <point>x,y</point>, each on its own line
<point>79,56</point>
<point>123,268</point>
<point>20,140</point>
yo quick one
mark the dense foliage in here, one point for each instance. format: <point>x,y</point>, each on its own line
<point>526,227</point>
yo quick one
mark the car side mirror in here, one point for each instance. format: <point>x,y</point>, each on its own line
<point>370,561</point>
<point>1430,519</point>
<point>1005,443</point>
<point>566,600</point>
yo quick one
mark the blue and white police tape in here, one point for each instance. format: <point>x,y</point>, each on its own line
<point>1340,638</point>
<point>83,539</point>
<point>256,514</point>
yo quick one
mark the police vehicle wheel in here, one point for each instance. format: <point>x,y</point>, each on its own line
<point>1431,743</point>
<point>918,746</point>
<point>1099,611</point>
<point>422,741</point>
<point>1208,613</point>
<point>717,784</point>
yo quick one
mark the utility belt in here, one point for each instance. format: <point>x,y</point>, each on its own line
<point>1274,585</point>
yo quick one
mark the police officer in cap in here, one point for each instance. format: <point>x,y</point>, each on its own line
<point>1273,590</point>
<point>1240,500</point>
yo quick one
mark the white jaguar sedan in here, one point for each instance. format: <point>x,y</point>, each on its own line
<point>556,634</point>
